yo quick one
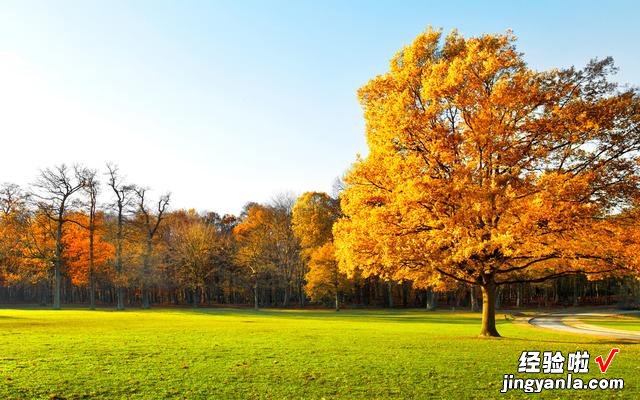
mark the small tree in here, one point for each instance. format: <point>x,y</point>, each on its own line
<point>325,281</point>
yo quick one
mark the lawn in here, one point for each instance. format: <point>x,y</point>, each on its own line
<point>628,322</point>
<point>218,353</point>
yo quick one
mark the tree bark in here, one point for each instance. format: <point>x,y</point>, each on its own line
<point>92,278</point>
<point>195,298</point>
<point>119,287</point>
<point>474,299</point>
<point>432,299</point>
<point>145,298</point>
<point>255,293</point>
<point>57,266</point>
<point>120,298</point>
<point>301,295</point>
<point>489,311</point>
<point>285,301</point>
<point>146,273</point>
<point>56,288</point>
<point>122,199</point>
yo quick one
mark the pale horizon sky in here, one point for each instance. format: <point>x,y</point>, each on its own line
<point>226,102</point>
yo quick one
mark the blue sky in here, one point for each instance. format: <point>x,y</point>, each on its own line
<point>225,102</point>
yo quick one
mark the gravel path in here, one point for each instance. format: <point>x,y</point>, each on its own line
<point>574,323</point>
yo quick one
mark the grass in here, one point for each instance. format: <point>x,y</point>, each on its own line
<point>627,322</point>
<point>217,353</point>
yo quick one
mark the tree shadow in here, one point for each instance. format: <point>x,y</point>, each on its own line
<point>375,316</point>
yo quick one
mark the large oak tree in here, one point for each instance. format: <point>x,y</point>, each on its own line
<point>483,170</point>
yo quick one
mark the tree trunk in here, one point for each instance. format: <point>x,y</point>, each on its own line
<point>92,293</point>
<point>195,298</point>
<point>57,266</point>
<point>56,287</point>
<point>336,286</point>
<point>119,239</point>
<point>285,301</point>
<point>301,294</point>
<point>255,294</point>
<point>432,300</point>
<point>145,298</point>
<point>92,278</point>
<point>474,299</point>
<point>489,311</point>
<point>146,272</point>
<point>120,298</point>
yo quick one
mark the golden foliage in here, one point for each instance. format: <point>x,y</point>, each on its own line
<point>75,240</point>
<point>486,171</point>
<point>324,278</point>
<point>314,214</point>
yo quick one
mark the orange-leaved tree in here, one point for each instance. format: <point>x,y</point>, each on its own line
<point>314,214</point>
<point>14,229</point>
<point>255,246</point>
<point>78,253</point>
<point>483,170</point>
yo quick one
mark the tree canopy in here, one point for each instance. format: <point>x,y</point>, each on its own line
<point>486,171</point>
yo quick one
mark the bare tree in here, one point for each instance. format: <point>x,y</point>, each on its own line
<point>337,187</point>
<point>53,192</point>
<point>91,189</point>
<point>124,195</point>
<point>12,198</point>
<point>151,222</point>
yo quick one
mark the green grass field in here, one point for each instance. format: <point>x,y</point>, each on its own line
<point>216,353</point>
<point>628,322</point>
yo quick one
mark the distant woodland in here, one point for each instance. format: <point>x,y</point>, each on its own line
<point>486,183</point>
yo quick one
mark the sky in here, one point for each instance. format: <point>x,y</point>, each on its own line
<point>226,102</point>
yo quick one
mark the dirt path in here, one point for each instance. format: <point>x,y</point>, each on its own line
<point>574,323</point>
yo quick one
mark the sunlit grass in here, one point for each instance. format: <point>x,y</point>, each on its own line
<point>627,322</point>
<point>217,353</point>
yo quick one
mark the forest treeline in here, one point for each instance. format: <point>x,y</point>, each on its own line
<point>485,182</point>
<point>79,236</point>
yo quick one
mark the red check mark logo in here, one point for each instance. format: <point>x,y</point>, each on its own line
<point>604,365</point>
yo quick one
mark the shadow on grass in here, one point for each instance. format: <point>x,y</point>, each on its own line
<point>387,316</point>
